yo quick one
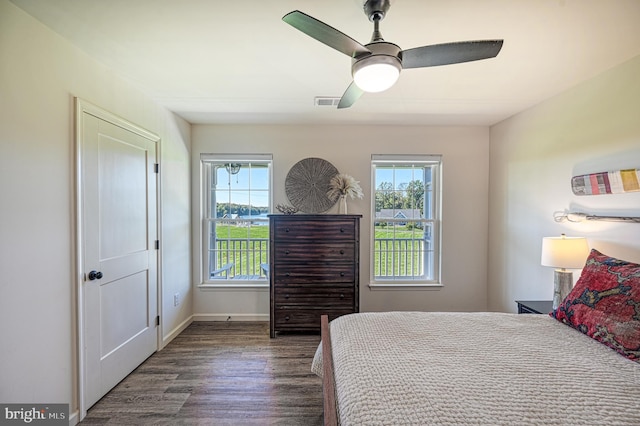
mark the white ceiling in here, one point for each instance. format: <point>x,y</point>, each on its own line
<point>236,61</point>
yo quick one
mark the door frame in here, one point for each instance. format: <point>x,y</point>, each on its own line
<point>81,107</point>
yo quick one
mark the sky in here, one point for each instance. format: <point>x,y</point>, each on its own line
<point>235,188</point>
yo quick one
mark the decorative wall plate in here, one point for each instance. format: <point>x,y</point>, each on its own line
<point>307,184</point>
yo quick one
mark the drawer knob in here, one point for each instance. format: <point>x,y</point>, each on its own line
<point>287,274</point>
<point>341,296</point>
<point>342,274</point>
<point>286,229</point>
<point>286,296</point>
<point>286,252</point>
<point>342,230</point>
<point>341,251</point>
<point>286,318</point>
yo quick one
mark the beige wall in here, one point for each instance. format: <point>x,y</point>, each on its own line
<point>40,73</point>
<point>349,149</point>
<point>591,128</point>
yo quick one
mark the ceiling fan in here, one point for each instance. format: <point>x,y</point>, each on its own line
<point>376,66</point>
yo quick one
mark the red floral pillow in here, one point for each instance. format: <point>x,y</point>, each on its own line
<point>605,304</point>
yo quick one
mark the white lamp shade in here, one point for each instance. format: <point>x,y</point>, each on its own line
<point>376,77</point>
<point>564,252</point>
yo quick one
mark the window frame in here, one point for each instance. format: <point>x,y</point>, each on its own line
<point>422,160</point>
<point>208,162</point>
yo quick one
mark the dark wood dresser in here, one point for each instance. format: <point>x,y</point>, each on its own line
<point>313,270</point>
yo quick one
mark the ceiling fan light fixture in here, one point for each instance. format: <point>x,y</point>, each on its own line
<point>376,66</point>
<point>376,73</point>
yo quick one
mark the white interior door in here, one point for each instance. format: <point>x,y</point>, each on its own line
<point>119,230</point>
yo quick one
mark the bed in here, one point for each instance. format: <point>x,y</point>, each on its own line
<point>578,366</point>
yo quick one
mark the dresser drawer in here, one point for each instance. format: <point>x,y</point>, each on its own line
<point>307,319</point>
<point>333,297</point>
<point>320,252</point>
<point>311,230</point>
<point>301,274</point>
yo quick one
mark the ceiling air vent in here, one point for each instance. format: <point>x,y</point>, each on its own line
<point>325,101</point>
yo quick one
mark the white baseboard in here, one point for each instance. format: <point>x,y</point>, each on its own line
<point>176,331</point>
<point>231,317</point>
<point>73,418</point>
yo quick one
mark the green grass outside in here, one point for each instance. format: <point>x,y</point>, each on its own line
<point>392,261</point>
<point>238,232</point>
<point>256,232</point>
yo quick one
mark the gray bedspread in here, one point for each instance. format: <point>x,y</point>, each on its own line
<point>427,368</point>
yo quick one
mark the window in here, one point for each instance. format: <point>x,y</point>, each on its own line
<point>406,225</point>
<point>236,199</point>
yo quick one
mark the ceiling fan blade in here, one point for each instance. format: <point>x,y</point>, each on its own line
<point>450,53</point>
<point>350,96</point>
<point>325,33</point>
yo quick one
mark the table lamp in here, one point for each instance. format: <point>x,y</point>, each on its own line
<point>563,253</point>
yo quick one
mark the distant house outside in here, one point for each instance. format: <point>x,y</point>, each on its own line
<point>398,214</point>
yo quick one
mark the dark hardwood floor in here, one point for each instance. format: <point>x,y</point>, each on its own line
<point>220,373</point>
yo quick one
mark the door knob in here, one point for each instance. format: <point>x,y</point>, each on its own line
<point>95,275</point>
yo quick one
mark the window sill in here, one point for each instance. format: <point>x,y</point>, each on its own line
<point>405,286</point>
<point>235,286</point>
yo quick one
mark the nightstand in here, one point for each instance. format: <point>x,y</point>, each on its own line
<point>534,306</point>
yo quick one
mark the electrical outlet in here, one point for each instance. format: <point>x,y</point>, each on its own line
<point>176,299</point>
